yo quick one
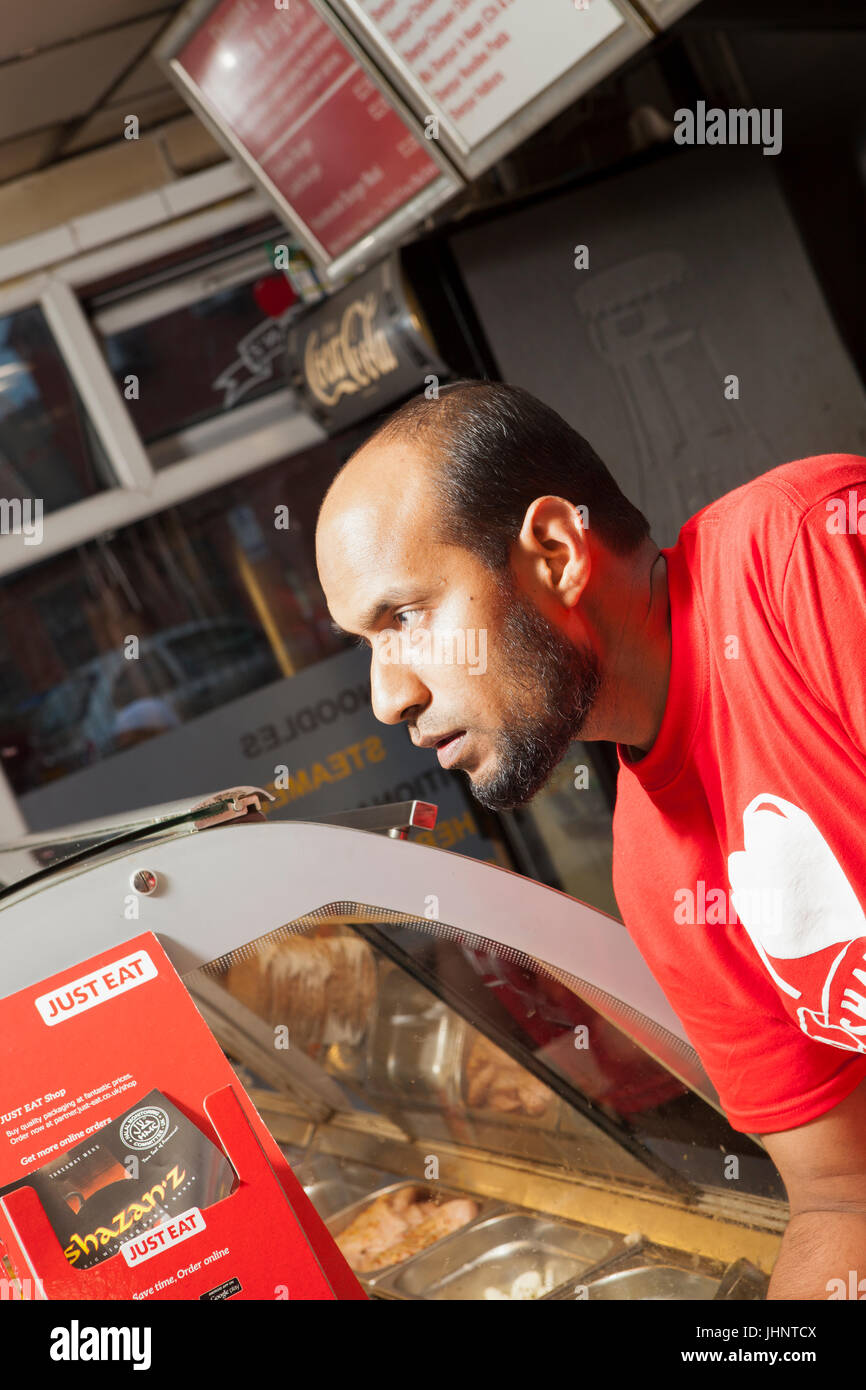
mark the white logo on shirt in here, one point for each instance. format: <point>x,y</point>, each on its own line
<point>787,855</point>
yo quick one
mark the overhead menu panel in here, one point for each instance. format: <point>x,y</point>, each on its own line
<point>485,74</point>
<point>334,151</point>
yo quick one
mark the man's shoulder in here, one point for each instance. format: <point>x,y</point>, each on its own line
<point>789,491</point>
<point>744,542</point>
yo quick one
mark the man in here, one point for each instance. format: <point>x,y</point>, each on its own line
<point>729,669</point>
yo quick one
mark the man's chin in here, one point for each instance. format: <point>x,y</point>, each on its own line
<point>499,793</point>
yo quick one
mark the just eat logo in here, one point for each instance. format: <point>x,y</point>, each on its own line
<point>95,988</point>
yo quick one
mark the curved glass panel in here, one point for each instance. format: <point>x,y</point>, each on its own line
<point>470,1127</point>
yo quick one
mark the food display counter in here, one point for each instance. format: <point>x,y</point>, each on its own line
<point>476,1079</point>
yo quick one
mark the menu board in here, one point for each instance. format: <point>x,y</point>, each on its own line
<point>476,65</point>
<point>282,90</point>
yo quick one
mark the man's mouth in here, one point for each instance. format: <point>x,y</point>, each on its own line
<point>448,749</point>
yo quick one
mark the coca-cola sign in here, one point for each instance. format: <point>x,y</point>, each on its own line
<point>361,349</point>
<point>355,356</point>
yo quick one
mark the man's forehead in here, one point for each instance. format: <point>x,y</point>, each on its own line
<point>375,528</point>
<point>381,499</point>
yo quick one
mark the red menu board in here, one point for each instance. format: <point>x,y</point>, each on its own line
<point>304,111</point>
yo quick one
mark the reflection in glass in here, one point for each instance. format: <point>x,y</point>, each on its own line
<point>199,361</point>
<point>132,635</point>
<point>460,1041</point>
<point>48,448</point>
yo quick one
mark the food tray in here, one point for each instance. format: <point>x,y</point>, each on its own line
<point>340,1220</point>
<point>333,1186</point>
<point>654,1283</point>
<point>646,1271</point>
<point>493,1252</point>
<point>294,1156</point>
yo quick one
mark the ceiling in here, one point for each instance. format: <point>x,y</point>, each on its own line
<point>70,70</point>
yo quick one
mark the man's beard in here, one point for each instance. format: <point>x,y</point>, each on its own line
<point>559,685</point>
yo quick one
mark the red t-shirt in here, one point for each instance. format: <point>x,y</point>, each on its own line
<point>740,838</point>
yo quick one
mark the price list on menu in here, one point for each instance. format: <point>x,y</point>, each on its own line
<point>476,63</point>
<point>304,112</point>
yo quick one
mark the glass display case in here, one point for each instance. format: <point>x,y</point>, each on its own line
<point>476,1079</point>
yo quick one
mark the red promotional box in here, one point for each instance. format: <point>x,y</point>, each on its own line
<point>132,1163</point>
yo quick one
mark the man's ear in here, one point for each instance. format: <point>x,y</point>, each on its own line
<point>552,550</point>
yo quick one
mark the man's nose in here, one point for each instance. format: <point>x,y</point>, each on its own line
<point>396,688</point>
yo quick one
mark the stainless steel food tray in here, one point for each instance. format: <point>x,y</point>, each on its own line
<point>340,1220</point>
<point>496,1250</point>
<point>333,1185</point>
<point>647,1271</point>
<point>656,1283</point>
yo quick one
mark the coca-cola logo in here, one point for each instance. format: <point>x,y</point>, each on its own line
<point>356,356</point>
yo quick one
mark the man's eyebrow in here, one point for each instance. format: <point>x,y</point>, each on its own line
<point>373,614</point>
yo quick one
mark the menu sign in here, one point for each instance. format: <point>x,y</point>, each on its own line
<point>479,66</point>
<point>282,90</point>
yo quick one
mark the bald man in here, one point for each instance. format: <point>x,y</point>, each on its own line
<point>728,669</point>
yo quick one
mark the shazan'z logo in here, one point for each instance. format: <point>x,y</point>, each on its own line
<point>786,854</point>
<point>125,1219</point>
<point>354,357</point>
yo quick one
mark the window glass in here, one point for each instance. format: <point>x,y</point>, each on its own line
<point>146,677</point>
<point>134,634</point>
<point>48,447</point>
<point>199,361</point>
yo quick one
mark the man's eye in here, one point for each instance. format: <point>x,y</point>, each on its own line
<point>409,613</point>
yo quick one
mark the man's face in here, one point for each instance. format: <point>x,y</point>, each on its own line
<point>467,661</point>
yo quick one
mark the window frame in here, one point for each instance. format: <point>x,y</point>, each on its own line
<point>272,428</point>
<point>262,432</point>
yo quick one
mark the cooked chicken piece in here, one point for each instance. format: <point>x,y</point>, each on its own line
<point>534,1096</point>
<point>504,1099</point>
<point>479,1080</point>
<point>372,1231</point>
<point>439,1221</point>
<point>404,1199</point>
<point>396,1226</point>
<point>494,1080</point>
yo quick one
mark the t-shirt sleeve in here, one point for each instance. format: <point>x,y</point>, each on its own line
<point>769,1074</point>
<point>824,607</point>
